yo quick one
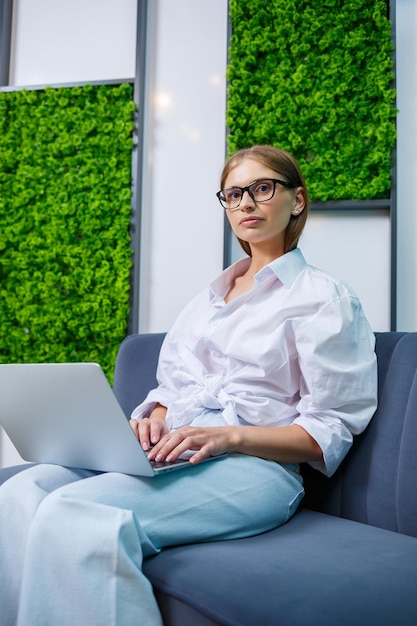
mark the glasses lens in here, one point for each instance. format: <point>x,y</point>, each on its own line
<point>262,190</point>
<point>231,197</point>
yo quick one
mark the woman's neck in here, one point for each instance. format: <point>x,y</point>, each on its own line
<point>245,282</point>
<point>260,258</point>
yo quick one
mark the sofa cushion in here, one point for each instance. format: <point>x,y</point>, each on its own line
<point>316,569</point>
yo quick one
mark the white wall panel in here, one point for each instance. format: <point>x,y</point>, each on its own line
<point>64,41</point>
<point>354,247</point>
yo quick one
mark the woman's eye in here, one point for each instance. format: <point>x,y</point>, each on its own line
<point>263,188</point>
<point>232,194</point>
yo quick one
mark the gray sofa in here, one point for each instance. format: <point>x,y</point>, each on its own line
<point>348,557</point>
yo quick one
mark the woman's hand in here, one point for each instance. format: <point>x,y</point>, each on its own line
<point>151,429</point>
<point>210,441</point>
<point>284,444</point>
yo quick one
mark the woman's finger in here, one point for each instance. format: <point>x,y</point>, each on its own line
<point>135,427</point>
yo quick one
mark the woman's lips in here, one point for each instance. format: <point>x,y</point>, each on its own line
<point>250,221</point>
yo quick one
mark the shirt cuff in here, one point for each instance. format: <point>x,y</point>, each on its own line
<point>335,440</point>
<point>145,408</point>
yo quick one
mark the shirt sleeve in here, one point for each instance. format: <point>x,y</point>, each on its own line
<point>170,375</point>
<point>164,393</point>
<point>338,386</point>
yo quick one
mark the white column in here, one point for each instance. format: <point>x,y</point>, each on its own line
<point>406,50</point>
<point>182,236</point>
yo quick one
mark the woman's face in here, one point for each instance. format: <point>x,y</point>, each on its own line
<point>262,224</point>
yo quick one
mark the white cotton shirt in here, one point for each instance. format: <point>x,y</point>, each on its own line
<point>295,349</point>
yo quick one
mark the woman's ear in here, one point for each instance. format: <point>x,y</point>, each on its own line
<point>299,201</point>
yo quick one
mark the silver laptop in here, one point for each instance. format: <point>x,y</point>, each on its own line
<point>67,414</point>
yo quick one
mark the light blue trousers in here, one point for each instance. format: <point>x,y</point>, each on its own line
<point>72,541</point>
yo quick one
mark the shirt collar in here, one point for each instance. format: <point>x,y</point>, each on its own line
<point>286,268</point>
<point>221,285</point>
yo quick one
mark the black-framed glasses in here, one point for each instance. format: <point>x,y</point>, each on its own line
<point>260,191</point>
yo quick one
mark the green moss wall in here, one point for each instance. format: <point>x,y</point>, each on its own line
<point>65,257</point>
<point>315,78</point>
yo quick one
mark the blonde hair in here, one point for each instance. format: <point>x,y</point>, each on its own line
<point>285,165</point>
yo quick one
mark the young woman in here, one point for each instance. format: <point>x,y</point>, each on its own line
<point>273,364</point>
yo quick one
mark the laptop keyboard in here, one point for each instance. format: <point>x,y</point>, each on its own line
<point>158,464</point>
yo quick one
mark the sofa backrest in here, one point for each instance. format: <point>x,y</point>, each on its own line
<point>377,482</point>
<point>135,369</point>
